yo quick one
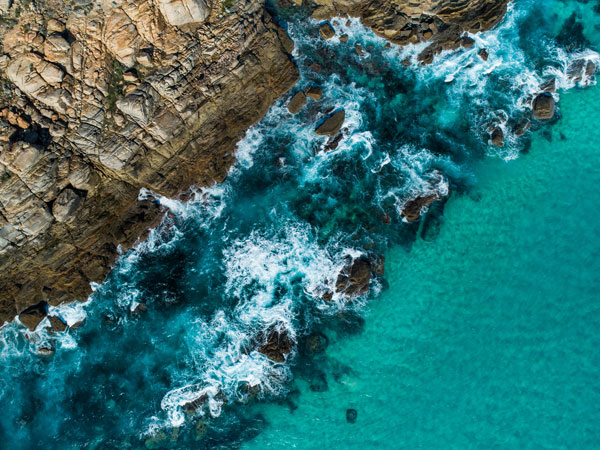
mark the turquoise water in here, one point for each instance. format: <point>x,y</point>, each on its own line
<point>481,333</point>
<point>488,335</point>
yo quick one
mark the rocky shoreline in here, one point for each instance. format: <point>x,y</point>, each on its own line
<point>101,100</point>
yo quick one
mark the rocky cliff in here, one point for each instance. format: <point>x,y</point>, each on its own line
<point>102,98</point>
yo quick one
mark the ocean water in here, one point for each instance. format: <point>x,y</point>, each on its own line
<point>481,333</point>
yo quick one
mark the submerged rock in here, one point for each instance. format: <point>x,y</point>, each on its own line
<point>200,430</point>
<point>277,345</point>
<point>522,127</point>
<point>318,381</point>
<point>543,106</point>
<point>331,124</point>
<point>354,278</point>
<point>316,343</point>
<point>351,415</point>
<point>297,102</point>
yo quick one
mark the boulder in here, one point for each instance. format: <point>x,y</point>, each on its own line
<point>326,30</point>
<point>332,124</point>
<point>543,106</point>
<point>483,54</point>
<point>467,42</point>
<point>57,324</point>
<point>412,208</point>
<point>183,12</point>
<point>193,406</point>
<point>497,137</point>
<point>65,205</point>
<point>297,102</point>
<point>590,69</point>
<point>344,38</point>
<point>575,70</point>
<point>314,92</point>
<point>276,344</point>
<point>354,278</point>
<point>32,316</point>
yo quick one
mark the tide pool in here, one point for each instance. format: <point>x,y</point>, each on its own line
<point>488,335</point>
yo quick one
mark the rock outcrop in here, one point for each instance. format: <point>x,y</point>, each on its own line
<point>441,22</point>
<point>543,106</point>
<point>101,99</point>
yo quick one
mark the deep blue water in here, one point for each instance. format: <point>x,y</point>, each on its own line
<point>260,250</point>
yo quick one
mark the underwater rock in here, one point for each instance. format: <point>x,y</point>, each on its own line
<point>326,30</point>
<point>315,344</point>
<point>32,316</point>
<point>543,106</point>
<point>318,381</point>
<point>354,278</point>
<point>331,124</point>
<point>351,415</point>
<point>56,324</point>
<point>200,430</point>
<point>314,92</point>
<point>297,102</point>
<point>412,208</point>
<point>277,345</point>
<point>522,127</point>
<point>157,440</point>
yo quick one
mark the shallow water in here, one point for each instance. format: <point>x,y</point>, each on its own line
<point>481,334</point>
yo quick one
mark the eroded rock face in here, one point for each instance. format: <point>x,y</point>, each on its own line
<point>120,95</point>
<point>441,22</point>
<point>277,345</point>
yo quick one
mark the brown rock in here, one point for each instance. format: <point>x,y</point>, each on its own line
<point>65,205</point>
<point>276,345</point>
<point>549,85</point>
<point>314,92</point>
<point>543,106</point>
<point>326,30</point>
<point>33,315</point>
<point>497,137</point>
<point>467,42</point>
<point>344,38</point>
<point>412,208</point>
<point>57,324</point>
<point>483,54</point>
<point>354,278</point>
<point>522,127</point>
<point>332,124</point>
<point>297,102</point>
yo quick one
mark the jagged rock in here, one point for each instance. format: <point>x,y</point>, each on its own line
<point>354,278</point>
<point>193,406</point>
<point>590,68</point>
<point>497,137</point>
<point>522,127</point>
<point>483,54</point>
<point>65,205</point>
<point>467,42</point>
<point>56,324</point>
<point>326,30</point>
<point>412,208</point>
<point>276,345</point>
<point>297,102</point>
<point>548,86</point>
<point>575,70</point>
<point>543,106</point>
<point>332,124</point>
<point>314,92</point>
<point>344,38</point>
